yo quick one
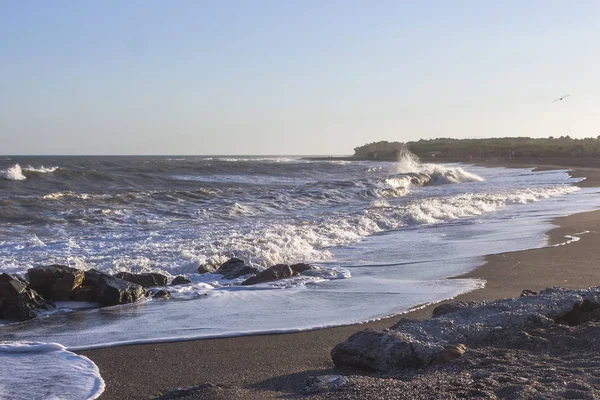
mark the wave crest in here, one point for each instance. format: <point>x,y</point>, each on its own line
<point>14,173</point>
<point>40,170</point>
<point>437,174</point>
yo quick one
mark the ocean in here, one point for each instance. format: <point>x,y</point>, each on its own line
<point>384,236</point>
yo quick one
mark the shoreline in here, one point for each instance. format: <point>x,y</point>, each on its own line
<point>270,365</point>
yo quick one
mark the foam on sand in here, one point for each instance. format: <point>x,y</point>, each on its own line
<point>30,370</point>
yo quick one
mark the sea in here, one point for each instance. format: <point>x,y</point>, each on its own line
<point>383,236</point>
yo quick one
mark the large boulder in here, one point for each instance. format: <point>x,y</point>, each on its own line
<point>111,291</point>
<point>234,268</point>
<point>411,343</point>
<point>145,280</point>
<point>274,273</point>
<point>55,282</point>
<point>17,301</point>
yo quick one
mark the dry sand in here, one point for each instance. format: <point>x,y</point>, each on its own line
<point>272,366</point>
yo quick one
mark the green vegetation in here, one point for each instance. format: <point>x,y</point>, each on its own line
<point>509,147</point>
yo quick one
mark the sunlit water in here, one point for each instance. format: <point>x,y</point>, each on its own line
<point>384,236</point>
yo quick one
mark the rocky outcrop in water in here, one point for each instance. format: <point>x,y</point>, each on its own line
<point>111,291</point>
<point>414,344</point>
<point>274,273</point>
<point>17,301</point>
<point>55,282</point>
<point>180,280</point>
<point>206,269</point>
<point>301,267</point>
<point>162,294</point>
<point>146,280</point>
<point>234,268</point>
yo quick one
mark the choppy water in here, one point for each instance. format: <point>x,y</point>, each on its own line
<point>385,235</point>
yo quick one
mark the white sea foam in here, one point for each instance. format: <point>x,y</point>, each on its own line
<point>40,371</point>
<point>437,173</point>
<point>14,173</point>
<point>255,159</point>
<point>40,170</point>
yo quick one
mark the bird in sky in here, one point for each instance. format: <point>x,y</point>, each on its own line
<point>560,98</point>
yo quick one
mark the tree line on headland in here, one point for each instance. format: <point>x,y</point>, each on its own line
<point>492,148</point>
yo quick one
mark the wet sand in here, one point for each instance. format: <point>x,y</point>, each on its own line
<point>271,366</point>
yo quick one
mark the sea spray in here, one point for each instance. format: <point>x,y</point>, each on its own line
<point>14,173</point>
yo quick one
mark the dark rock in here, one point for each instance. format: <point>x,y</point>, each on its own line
<point>111,291</point>
<point>274,273</point>
<point>55,282</point>
<point>180,280</point>
<point>84,293</point>
<point>206,269</point>
<point>378,351</point>
<point>580,313</point>
<point>234,268</point>
<point>301,267</point>
<point>162,294</point>
<point>17,301</point>
<point>145,280</point>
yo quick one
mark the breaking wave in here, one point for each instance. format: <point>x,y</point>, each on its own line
<point>14,173</point>
<point>435,174</point>
<point>40,170</point>
<point>286,243</point>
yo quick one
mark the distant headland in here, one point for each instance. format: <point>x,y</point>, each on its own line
<point>479,149</point>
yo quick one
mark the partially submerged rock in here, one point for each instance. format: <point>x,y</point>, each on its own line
<point>301,267</point>
<point>412,344</point>
<point>206,269</point>
<point>111,291</point>
<point>55,282</point>
<point>17,301</point>
<point>180,280</point>
<point>234,268</point>
<point>163,294</point>
<point>274,273</point>
<point>146,280</point>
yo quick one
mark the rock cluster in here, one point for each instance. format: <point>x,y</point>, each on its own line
<point>414,344</point>
<point>235,267</point>
<point>24,298</point>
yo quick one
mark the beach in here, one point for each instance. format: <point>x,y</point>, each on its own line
<point>269,366</point>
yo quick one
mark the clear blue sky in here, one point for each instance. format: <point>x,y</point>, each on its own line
<point>291,77</point>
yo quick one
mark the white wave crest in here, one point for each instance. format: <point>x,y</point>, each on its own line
<point>14,173</point>
<point>437,173</point>
<point>40,170</point>
<point>310,242</point>
<point>68,193</point>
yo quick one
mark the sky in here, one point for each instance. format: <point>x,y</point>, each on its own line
<point>291,77</point>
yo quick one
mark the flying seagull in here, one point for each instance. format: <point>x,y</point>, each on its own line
<point>560,98</point>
